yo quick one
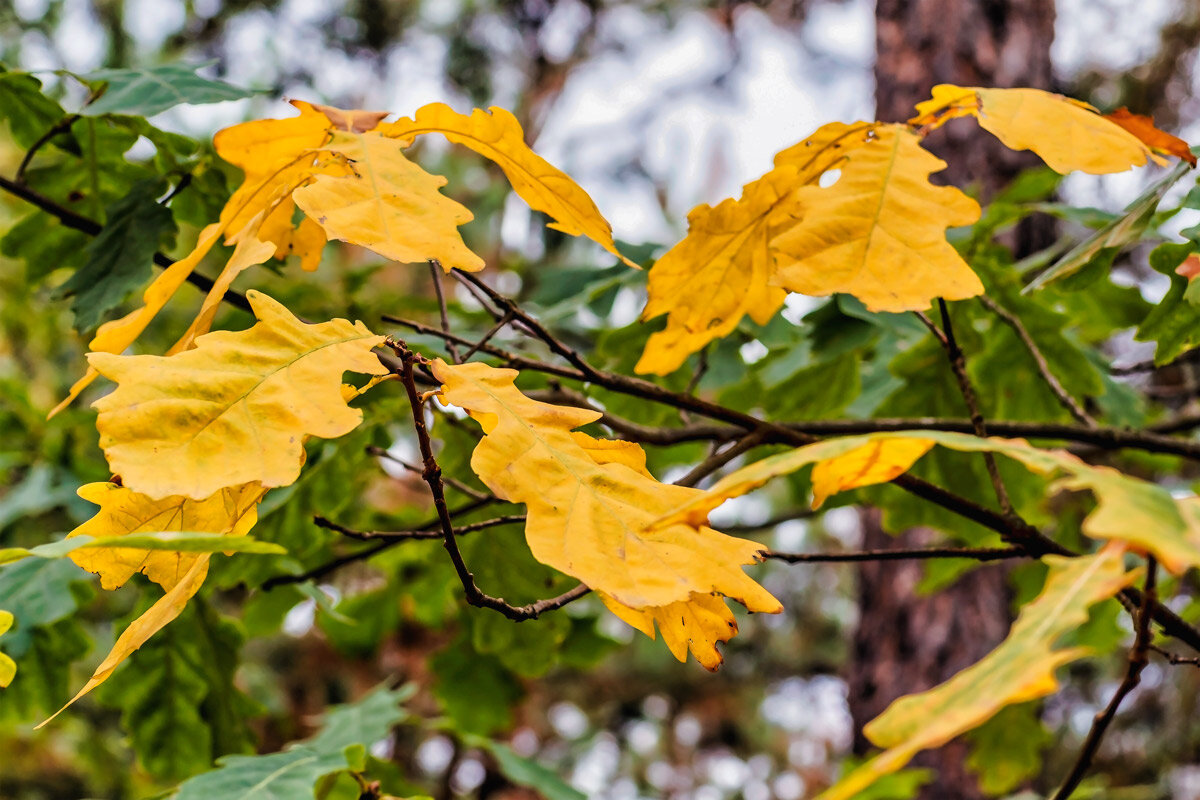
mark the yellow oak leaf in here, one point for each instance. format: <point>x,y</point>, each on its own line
<point>158,616</point>
<point>496,134</point>
<point>236,408</point>
<point>1021,668</point>
<point>277,156</point>
<point>1140,514</point>
<point>878,461</point>
<point>387,203</point>
<point>8,667</point>
<point>714,276</point>
<point>589,504</point>
<point>306,239</point>
<point>231,511</point>
<point>1067,134</point>
<point>719,272</point>
<point>695,624</point>
<point>249,251</point>
<point>878,232</point>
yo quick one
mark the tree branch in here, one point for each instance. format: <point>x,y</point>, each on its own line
<point>1133,675</point>
<point>958,365</point>
<point>1064,397</point>
<point>62,126</point>
<point>370,536</point>
<point>1015,532</point>
<point>92,228</point>
<point>433,476</point>
<point>435,269</point>
<point>975,553</point>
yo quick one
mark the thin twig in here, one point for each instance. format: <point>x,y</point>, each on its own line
<point>1133,674</point>
<point>433,476</point>
<point>1064,397</point>
<point>1174,659</point>
<point>556,345</point>
<point>61,126</point>
<point>487,337</point>
<point>184,181</point>
<point>958,365</point>
<point>720,458</point>
<point>371,536</point>
<point>697,376</point>
<point>435,269</point>
<point>975,553</point>
<point>454,483</point>
<point>772,522</point>
<point>321,570</point>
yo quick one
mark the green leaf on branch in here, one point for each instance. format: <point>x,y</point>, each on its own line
<point>147,91</point>
<point>119,260</point>
<point>295,772</point>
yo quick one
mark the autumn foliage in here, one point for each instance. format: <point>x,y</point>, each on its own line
<point>197,436</point>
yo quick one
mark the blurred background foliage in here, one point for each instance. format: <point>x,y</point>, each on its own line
<point>249,668</point>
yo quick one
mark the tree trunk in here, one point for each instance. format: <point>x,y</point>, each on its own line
<point>905,643</point>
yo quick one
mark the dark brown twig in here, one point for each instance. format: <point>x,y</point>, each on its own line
<point>321,570</point>
<point>1133,674</point>
<point>61,126</point>
<point>720,458</point>
<point>373,536</point>
<point>454,483</point>
<point>435,269</point>
<point>975,553</point>
<point>92,228</point>
<point>487,337</point>
<point>1064,397</point>
<point>433,476</point>
<point>958,365</point>
<point>1174,659</point>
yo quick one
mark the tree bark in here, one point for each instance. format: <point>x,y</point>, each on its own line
<point>905,643</point>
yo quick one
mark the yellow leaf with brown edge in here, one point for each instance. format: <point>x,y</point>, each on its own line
<point>1158,141</point>
<point>1142,515</point>
<point>236,408</point>
<point>695,625</point>
<point>231,511</point>
<point>1020,669</point>
<point>496,135</point>
<point>387,203</point>
<point>589,504</point>
<point>879,232</point>
<point>1067,134</point>
<point>719,272</point>
<point>116,335</point>
<point>158,616</point>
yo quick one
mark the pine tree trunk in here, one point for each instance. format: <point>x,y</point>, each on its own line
<point>905,643</point>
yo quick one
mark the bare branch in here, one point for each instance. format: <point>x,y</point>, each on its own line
<point>975,553</point>
<point>433,476</point>
<point>1064,397</point>
<point>435,269</point>
<point>1133,675</point>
